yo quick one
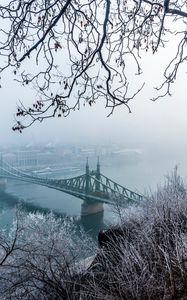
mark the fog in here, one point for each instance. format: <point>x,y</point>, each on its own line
<point>157,128</point>
<point>161,123</point>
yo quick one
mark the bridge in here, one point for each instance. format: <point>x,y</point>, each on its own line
<point>93,188</point>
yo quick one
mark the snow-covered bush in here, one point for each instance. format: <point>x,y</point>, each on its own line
<point>39,258</point>
<point>146,256</point>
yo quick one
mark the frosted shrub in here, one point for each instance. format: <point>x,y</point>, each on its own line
<point>146,256</point>
<point>39,258</point>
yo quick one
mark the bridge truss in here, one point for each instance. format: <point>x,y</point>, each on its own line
<point>90,187</point>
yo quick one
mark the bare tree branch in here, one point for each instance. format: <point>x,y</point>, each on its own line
<point>84,50</point>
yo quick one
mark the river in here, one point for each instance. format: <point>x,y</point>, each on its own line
<point>137,176</point>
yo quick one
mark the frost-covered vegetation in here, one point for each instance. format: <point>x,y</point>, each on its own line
<point>144,257</point>
<point>38,258</point>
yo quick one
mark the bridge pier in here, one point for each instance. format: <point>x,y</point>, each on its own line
<point>91,208</point>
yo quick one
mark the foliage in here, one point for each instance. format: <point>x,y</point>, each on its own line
<point>39,258</point>
<point>83,51</point>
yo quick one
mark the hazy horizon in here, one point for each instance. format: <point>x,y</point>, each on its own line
<point>159,128</point>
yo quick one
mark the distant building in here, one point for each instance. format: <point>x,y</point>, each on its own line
<point>22,159</point>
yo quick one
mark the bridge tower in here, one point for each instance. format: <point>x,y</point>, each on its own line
<point>97,177</point>
<point>87,178</point>
<point>89,207</point>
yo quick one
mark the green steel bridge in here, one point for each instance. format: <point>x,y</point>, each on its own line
<point>92,187</point>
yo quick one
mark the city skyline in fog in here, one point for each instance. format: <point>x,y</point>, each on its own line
<point>156,125</point>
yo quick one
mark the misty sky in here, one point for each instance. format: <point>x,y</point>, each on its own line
<point>158,129</point>
<point>159,125</point>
